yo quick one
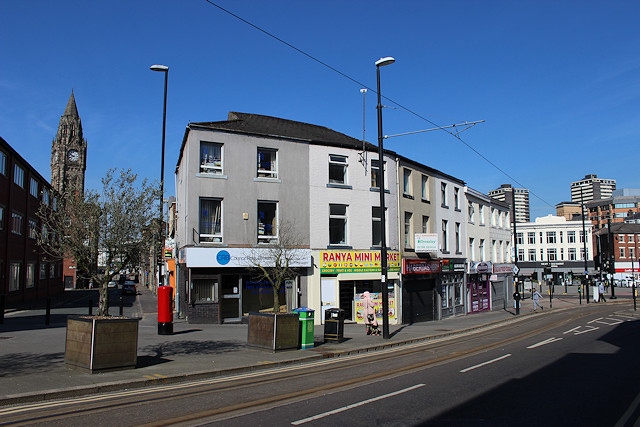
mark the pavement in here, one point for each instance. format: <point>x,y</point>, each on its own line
<point>32,364</point>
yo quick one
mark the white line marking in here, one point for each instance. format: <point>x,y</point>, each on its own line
<point>355,405</point>
<point>573,330</point>
<point>470,368</point>
<point>541,343</point>
<point>593,328</point>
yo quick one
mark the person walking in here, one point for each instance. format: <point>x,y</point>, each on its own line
<point>536,299</point>
<point>601,293</point>
<point>369,313</point>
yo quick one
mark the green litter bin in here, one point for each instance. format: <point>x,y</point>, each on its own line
<point>306,327</point>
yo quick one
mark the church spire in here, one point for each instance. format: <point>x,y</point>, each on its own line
<point>71,109</point>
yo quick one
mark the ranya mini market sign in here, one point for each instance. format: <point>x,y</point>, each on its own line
<point>334,262</point>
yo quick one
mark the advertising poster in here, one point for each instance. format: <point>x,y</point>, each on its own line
<point>377,303</point>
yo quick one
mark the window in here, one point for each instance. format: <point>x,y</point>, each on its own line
<point>31,275</point>
<point>376,230</point>
<point>3,163</point>
<point>204,289</point>
<point>33,187</point>
<point>493,217</point>
<point>408,235</point>
<point>52,270</point>
<point>425,188</point>
<point>443,194</point>
<point>572,254</point>
<point>210,158</point>
<point>445,226</point>
<point>552,254</point>
<point>520,238</point>
<point>45,196</point>
<point>581,237</point>
<point>43,270</point>
<point>621,238</point>
<point>406,189</point>
<point>210,227</point>
<point>456,198</point>
<point>33,229</point>
<point>632,253</point>
<point>337,224</point>
<point>457,237</point>
<point>18,176</point>
<point>521,255</point>
<point>472,253</point>
<point>481,250</point>
<point>267,163</point>
<point>531,238</point>
<point>337,169</point>
<point>267,221</point>
<point>481,213</point>
<point>551,237</point>
<point>532,254</point>
<point>561,236</point>
<point>425,224</point>
<point>1,218</point>
<point>571,236</point>
<point>471,212</point>
<point>14,276</point>
<point>16,223</point>
<point>622,253</point>
<point>375,174</point>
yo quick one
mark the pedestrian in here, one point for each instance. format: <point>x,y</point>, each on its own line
<point>536,299</point>
<point>369,313</point>
<point>601,292</point>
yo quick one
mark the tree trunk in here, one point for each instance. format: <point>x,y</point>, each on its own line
<point>103,304</point>
<point>276,299</point>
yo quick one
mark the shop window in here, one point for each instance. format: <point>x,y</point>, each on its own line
<point>337,224</point>
<point>267,222</point>
<point>267,163</point>
<point>210,227</point>
<point>204,289</point>
<point>337,169</point>
<point>210,158</point>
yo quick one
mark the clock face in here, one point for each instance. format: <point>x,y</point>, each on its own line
<point>73,155</point>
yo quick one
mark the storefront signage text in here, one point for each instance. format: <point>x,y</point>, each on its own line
<point>420,266</point>
<point>333,262</point>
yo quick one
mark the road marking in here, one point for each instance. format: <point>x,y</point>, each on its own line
<point>355,405</point>
<point>609,321</point>
<point>548,341</point>
<point>470,368</point>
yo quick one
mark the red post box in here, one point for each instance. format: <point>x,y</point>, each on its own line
<point>165,310</point>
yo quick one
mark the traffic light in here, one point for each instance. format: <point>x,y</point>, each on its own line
<point>534,275</point>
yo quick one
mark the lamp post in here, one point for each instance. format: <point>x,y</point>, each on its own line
<point>383,238</point>
<point>584,243</point>
<point>163,69</point>
<point>612,259</point>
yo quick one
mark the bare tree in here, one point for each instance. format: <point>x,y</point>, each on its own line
<point>108,225</point>
<point>280,259</point>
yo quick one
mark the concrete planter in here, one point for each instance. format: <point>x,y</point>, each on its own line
<point>99,344</point>
<point>274,331</point>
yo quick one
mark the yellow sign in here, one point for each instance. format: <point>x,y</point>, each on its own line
<point>333,262</point>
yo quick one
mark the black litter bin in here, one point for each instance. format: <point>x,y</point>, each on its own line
<point>334,325</point>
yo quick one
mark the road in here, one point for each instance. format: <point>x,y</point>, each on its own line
<point>565,368</point>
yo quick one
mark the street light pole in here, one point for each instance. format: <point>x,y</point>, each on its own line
<point>163,69</point>
<point>584,244</point>
<point>383,238</point>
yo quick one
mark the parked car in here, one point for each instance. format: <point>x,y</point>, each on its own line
<point>129,288</point>
<point>112,284</point>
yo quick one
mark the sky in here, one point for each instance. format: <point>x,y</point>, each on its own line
<point>557,83</point>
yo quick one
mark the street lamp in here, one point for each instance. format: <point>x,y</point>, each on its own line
<point>383,239</point>
<point>163,69</point>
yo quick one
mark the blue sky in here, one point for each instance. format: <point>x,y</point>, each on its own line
<point>557,82</point>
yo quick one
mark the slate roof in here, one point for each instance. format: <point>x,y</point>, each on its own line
<point>274,127</point>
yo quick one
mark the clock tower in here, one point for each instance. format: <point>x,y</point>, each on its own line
<point>69,151</point>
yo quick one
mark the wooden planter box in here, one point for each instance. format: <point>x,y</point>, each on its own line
<point>274,331</point>
<point>101,343</point>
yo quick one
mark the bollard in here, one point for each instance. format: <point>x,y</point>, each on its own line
<point>47,316</point>
<point>516,298</point>
<point>580,293</point>
<point>121,306</point>
<point>1,309</point>
<point>90,307</point>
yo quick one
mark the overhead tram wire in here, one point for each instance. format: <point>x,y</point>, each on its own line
<point>346,76</point>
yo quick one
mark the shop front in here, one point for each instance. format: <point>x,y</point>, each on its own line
<point>479,287</point>
<point>452,288</point>
<point>223,285</point>
<point>346,274</point>
<point>419,277</point>
<point>502,287</point>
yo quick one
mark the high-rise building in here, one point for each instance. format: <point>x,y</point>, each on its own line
<point>517,198</point>
<point>592,188</point>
